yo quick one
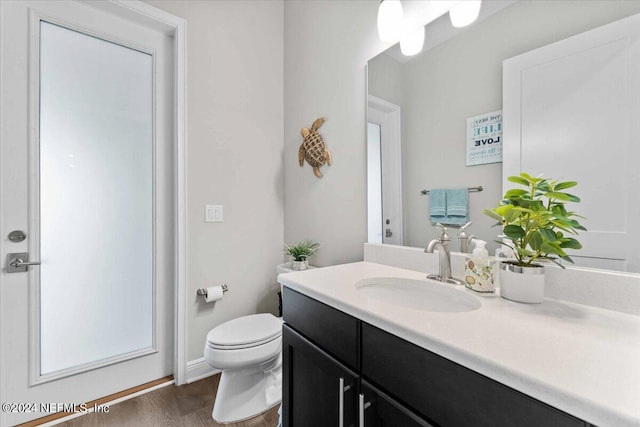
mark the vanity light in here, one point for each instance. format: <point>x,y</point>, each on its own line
<point>412,41</point>
<point>464,13</point>
<point>389,20</point>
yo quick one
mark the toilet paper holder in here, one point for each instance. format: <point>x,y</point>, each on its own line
<point>203,291</point>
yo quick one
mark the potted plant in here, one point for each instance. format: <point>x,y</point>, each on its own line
<point>300,253</point>
<point>536,226</point>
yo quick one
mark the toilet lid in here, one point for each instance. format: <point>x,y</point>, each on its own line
<point>252,329</point>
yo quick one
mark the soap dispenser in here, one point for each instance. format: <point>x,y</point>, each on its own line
<point>479,270</point>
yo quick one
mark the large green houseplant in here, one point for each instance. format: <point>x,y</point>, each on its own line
<point>537,226</point>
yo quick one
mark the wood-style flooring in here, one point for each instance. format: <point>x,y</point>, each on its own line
<point>187,405</point>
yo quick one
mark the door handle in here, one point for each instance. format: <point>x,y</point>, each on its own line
<point>343,390</point>
<point>362,405</point>
<point>19,262</point>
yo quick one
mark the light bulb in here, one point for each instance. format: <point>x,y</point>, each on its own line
<point>412,41</point>
<point>464,13</point>
<point>389,20</point>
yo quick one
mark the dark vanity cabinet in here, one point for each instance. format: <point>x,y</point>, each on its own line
<point>340,371</point>
<point>318,390</point>
<point>320,358</point>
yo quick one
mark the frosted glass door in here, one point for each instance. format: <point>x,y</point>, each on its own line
<point>95,200</point>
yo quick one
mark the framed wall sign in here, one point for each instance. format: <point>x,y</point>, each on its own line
<point>484,138</point>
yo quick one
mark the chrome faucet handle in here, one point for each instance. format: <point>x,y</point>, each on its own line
<point>464,227</point>
<point>444,236</point>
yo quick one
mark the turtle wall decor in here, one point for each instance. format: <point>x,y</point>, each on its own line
<point>313,148</point>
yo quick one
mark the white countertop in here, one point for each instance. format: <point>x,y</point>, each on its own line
<point>580,359</point>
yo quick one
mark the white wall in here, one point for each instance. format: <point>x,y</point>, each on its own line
<point>327,45</point>
<point>235,119</point>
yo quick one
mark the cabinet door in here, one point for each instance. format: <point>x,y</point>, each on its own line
<point>317,390</point>
<point>447,393</point>
<point>380,410</point>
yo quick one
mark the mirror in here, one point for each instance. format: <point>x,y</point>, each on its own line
<point>458,75</point>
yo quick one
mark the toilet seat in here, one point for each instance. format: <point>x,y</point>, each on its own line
<point>242,346</point>
<point>245,332</point>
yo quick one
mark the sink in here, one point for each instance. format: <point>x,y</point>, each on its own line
<point>418,294</point>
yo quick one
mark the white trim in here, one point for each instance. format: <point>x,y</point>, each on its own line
<point>199,369</point>
<point>177,28</point>
<point>3,385</point>
<point>181,162</point>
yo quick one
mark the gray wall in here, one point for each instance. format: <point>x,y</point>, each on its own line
<point>327,44</point>
<point>235,117</point>
<point>385,79</point>
<point>325,59</point>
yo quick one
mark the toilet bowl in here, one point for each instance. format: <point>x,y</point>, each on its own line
<point>248,351</point>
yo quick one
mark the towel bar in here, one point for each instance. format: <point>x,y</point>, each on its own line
<point>470,189</point>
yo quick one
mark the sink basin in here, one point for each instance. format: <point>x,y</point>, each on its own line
<point>418,294</point>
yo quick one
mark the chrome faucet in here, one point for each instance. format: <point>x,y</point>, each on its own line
<point>464,239</point>
<point>444,256</point>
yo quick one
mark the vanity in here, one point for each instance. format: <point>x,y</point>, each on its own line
<point>352,357</point>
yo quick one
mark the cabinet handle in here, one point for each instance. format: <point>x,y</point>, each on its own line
<point>361,407</point>
<point>343,389</point>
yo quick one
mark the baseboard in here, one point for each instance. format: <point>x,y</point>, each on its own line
<point>198,369</point>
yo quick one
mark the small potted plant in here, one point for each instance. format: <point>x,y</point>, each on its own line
<point>536,226</point>
<point>300,253</point>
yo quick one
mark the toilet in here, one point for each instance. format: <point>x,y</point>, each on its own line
<point>248,351</point>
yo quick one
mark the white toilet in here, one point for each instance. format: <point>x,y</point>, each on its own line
<point>248,350</point>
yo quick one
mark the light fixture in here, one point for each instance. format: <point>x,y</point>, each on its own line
<point>464,13</point>
<point>389,20</point>
<point>412,41</point>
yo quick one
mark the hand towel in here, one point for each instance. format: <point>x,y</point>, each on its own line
<point>437,204</point>
<point>457,206</point>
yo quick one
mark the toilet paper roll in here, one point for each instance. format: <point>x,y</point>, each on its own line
<point>214,293</point>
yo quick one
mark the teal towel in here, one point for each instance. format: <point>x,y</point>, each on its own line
<point>437,204</point>
<point>457,206</point>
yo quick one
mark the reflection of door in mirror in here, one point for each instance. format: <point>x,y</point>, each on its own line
<point>571,112</point>
<point>384,174</point>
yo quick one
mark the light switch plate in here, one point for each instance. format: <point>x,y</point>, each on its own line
<point>214,213</point>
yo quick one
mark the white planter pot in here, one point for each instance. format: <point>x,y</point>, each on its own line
<point>299,265</point>
<point>522,284</point>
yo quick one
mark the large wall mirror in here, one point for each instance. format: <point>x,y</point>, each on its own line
<point>418,109</point>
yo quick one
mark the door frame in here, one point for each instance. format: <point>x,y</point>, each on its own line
<point>176,28</point>
<point>388,115</point>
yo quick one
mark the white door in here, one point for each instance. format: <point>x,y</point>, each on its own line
<point>571,112</point>
<point>86,192</point>
<point>384,170</point>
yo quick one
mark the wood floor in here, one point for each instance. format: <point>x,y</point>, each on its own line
<point>187,405</point>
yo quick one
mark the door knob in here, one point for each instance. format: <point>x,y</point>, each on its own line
<point>19,262</point>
